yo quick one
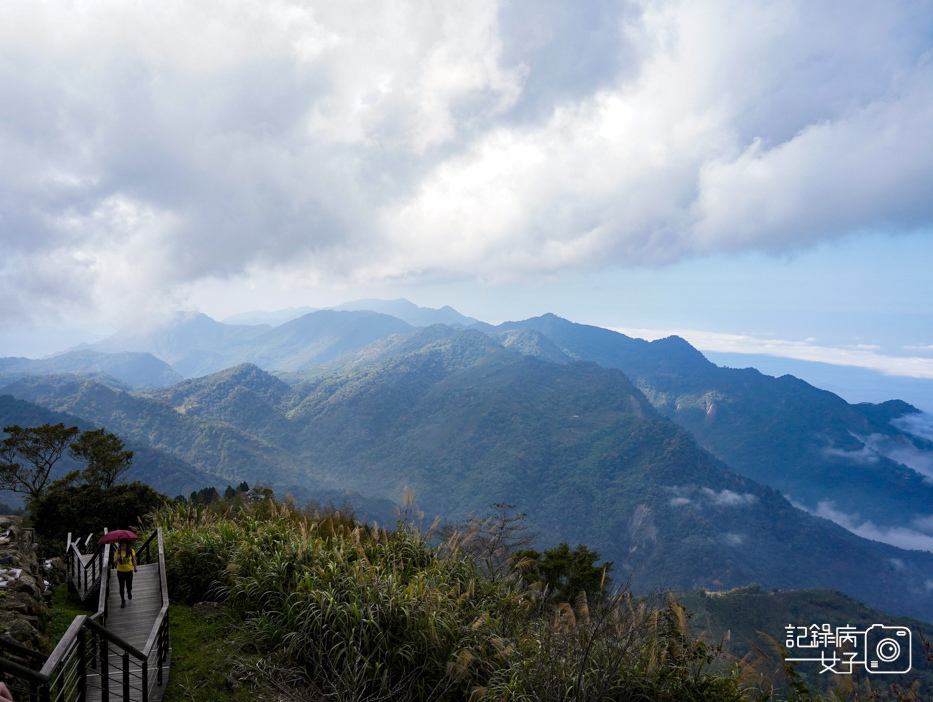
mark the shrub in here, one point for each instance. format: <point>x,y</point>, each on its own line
<point>343,611</point>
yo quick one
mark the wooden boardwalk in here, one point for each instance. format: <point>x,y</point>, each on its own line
<point>115,654</point>
<point>133,624</point>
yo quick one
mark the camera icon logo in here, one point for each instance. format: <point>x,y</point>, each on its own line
<point>888,649</point>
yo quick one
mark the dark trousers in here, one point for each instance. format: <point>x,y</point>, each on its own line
<point>126,581</point>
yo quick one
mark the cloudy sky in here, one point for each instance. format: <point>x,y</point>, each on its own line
<point>758,174</point>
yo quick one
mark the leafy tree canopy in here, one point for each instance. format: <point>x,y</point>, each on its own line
<point>105,456</point>
<point>27,455</point>
<point>86,509</point>
<point>564,573</point>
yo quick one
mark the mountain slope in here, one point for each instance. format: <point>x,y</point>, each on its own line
<point>317,338</point>
<point>582,452</point>
<point>196,345</point>
<point>193,343</point>
<point>740,614</point>
<point>411,313</point>
<point>808,443</point>
<point>466,422</point>
<point>216,448</point>
<point>166,473</point>
<point>136,369</point>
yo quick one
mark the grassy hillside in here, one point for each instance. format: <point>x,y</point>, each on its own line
<point>323,608</point>
<point>317,606</point>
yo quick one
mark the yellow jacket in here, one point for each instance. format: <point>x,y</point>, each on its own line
<point>124,560</point>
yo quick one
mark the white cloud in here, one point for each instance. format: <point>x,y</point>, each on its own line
<point>901,537</point>
<point>363,141</point>
<point>913,367</point>
<point>685,495</point>
<point>924,524</point>
<point>728,498</point>
<point>733,539</point>
<point>920,424</point>
<point>863,456</point>
<point>902,450</point>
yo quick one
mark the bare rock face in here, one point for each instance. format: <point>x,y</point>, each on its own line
<point>23,588</point>
<point>27,585</point>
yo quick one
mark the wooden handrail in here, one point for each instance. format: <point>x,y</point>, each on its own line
<point>163,592</point>
<point>21,650</point>
<point>21,671</point>
<point>115,639</point>
<point>64,647</point>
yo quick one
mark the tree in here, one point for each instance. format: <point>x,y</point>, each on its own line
<point>105,457</point>
<point>204,496</point>
<point>563,573</point>
<point>86,509</point>
<point>491,540</point>
<point>28,454</point>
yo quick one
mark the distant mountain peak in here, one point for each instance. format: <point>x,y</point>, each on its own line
<point>409,312</point>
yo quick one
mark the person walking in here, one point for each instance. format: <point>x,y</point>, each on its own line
<point>125,559</point>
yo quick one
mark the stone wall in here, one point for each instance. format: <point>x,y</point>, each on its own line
<point>24,590</point>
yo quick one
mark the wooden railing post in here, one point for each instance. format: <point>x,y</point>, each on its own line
<point>126,676</point>
<point>82,664</point>
<point>104,670</point>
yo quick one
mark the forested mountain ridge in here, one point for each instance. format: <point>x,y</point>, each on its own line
<point>809,443</point>
<point>135,369</point>
<point>162,470</point>
<point>215,448</point>
<point>465,422</point>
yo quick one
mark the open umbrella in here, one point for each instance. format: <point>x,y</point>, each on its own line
<point>113,536</point>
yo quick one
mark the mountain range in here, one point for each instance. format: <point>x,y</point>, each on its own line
<point>682,473</point>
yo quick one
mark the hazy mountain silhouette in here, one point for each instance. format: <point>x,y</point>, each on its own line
<point>141,370</point>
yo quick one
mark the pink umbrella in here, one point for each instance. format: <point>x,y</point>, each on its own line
<point>113,536</point>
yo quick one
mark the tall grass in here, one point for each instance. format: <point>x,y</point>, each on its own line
<point>340,611</point>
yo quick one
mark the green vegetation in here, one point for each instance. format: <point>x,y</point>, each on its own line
<point>465,423</point>
<point>207,659</point>
<point>781,432</point>
<point>88,509</point>
<point>27,455</point>
<point>104,454</point>
<point>335,610</point>
<point>741,616</point>
<point>65,606</point>
<point>562,573</point>
<point>83,501</point>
